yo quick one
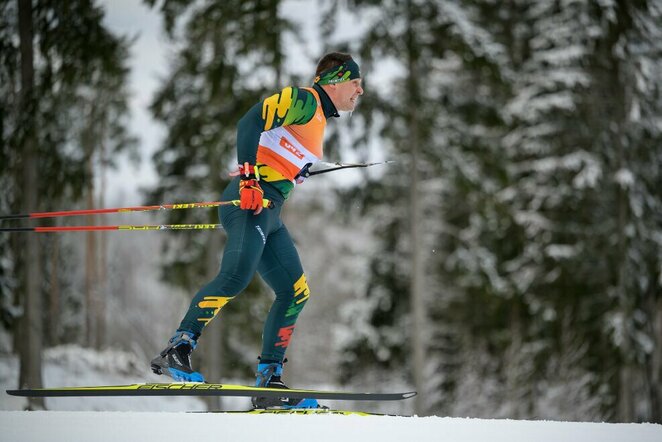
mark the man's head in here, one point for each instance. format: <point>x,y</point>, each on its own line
<point>338,74</point>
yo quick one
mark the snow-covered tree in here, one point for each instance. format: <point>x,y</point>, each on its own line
<point>550,237</point>
<point>540,205</point>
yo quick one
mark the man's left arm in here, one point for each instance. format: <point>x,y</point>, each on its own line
<point>249,130</point>
<point>290,106</point>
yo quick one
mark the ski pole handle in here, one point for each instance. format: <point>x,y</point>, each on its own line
<point>267,204</point>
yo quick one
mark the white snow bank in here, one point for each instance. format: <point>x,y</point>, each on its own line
<point>52,426</point>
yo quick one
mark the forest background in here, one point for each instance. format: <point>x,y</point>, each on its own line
<point>508,264</point>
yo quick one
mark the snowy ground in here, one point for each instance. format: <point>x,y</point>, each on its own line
<point>146,426</point>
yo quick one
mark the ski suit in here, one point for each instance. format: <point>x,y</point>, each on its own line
<point>280,136</point>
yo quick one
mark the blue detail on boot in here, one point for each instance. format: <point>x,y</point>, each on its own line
<point>182,376</point>
<point>265,372</point>
<point>181,336</point>
<point>305,403</point>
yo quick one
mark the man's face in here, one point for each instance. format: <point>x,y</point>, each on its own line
<point>345,95</point>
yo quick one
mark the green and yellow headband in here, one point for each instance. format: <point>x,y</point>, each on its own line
<point>347,71</point>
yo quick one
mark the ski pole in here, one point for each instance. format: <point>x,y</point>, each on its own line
<point>265,203</point>
<point>338,166</point>
<point>120,227</point>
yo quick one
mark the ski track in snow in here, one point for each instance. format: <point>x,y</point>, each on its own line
<point>29,426</point>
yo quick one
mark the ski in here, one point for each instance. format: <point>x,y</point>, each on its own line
<point>205,389</point>
<point>300,411</point>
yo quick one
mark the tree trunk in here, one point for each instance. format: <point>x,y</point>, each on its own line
<point>31,328</point>
<point>213,335</point>
<point>417,305</point>
<point>102,258</point>
<point>54,293</point>
<point>91,280</point>
<point>626,394</point>
<point>513,364</point>
<point>416,293</point>
<point>656,365</point>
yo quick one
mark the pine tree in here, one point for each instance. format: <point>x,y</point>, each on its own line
<point>416,119</point>
<point>9,98</point>
<point>549,238</point>
<point>625,105</point>
<point>71,50</point>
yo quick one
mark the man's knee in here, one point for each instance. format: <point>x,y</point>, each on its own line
<point>300,296</point>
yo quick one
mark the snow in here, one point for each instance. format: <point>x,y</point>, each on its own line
<point>462,26</point>
<point>625,178</point>
<point>125,426</point>
<point>561,251</point>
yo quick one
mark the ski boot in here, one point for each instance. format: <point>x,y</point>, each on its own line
<point>269,375</point>
<point>175,359</point>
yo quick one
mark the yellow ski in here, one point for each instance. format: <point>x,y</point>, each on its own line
<point>204,389</point>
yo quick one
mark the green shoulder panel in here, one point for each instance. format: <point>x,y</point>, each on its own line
<point>290,106</point>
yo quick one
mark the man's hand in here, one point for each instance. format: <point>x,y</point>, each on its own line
<point>250,195</point>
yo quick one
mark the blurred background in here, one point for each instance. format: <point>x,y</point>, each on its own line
<point>507,265</point>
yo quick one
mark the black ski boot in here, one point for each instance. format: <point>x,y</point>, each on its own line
<point>175,359</point>
<point>269,375</point>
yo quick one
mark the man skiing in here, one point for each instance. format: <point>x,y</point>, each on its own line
<point>277,139</point>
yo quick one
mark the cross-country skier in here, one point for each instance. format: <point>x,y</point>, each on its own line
<point>277,139</point>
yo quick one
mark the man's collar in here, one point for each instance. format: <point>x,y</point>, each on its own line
<point>328,107</point>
